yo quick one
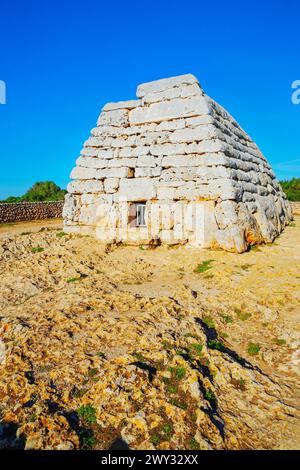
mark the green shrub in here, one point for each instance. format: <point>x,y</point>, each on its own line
<point>40,191</point>
<point>196,348</point>
<point>280,341</point>
<point>88,414</point>
<point>193,444</point>
<point>215,344</point>
<point>87,442</point>
<point>178,404</point>
<point>253,349</point>
<point>177,372</point>
<point>209,321</point>
<point>227,319</point>
<point>73,279</point>
<point>204,266</point>
<point>209,396</point>
<point>155,439</point>
<point>61,234</point>
<point>291,189</point>
<point>37,249</point>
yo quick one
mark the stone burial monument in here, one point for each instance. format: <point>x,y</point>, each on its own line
<point>174,167</point>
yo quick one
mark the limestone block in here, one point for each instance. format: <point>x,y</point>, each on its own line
<point>190,90</point>
<point>171,93</point>
<point>165,192</point>
<point>81,173</point>
<point>199,121</point>
<point>119,162</point>
<point>164,84</point>
<point>167,149</point>
<point>134,151</point>
<point>89,198</point>
<point>91,162</point>
<point>171,125</point>
<point>226,213</point>
<point>161,96</point>
<point>130,104</point>
<point>126,141</point>
<point>181,161</point>
<point>87,215</point>
<point>213,172</point>
<point>86,186</point>
<point>93,142</point>
<point>146,161</point>
<point>106,131</point>
<point>194,135</point>
<point>122,172</point>
<point>69,207</point>
<point>170,237</point>
<point>160,137</point>
<point>167,110</point>
<point>232,239</point>
<point>89,152</point>
<point>222,188</point>
<point>148,172</point>
<point>105,153</point>
<point>117,117</point>
<point>207,146</point>
<point>176,177</point>
<point>137,189</point>
<point>111,185</point>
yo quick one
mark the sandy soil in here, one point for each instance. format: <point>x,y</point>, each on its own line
<point>106,346</point>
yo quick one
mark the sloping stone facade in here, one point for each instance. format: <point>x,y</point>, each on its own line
<point>175,151</point>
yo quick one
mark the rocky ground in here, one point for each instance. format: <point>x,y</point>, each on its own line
<point>169,348</point>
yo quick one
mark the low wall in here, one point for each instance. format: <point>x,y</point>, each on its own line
<point>295,207</point>
<point>30,211</point>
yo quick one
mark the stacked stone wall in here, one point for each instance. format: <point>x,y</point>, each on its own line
<point>177,150</point>
<point>21,211</point>
<point>295,207</point>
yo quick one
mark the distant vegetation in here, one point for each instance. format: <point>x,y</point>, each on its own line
<point>291,189</point>
<point>40,191</point>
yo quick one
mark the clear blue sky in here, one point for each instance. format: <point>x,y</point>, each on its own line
<point>63,60</point>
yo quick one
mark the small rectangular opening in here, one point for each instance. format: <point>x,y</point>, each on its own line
<point>140,215</point>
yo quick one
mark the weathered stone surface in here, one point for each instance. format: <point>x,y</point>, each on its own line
<point>91,162</point>
<point>175,146</point>
<point>111,185</point>
<point>149,172</point>
<point>85,186</point>
<point>137,189</point>
<point>164,84</point>
<point>81,173</point>
<point>194,135</point>
<point>166,110</point>
<point>118,117</point>
<point>122,105</point>
<point>121,172</point>
<point>179,92</point>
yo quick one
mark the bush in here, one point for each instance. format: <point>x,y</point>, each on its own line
<point>291,189</point>
<point>40,191</point>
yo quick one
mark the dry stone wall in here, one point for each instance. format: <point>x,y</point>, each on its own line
<point>204,181</point>
<point>30,211</point>
<point>295,207</point>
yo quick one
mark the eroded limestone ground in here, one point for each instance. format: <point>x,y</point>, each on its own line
<point>166,348</point>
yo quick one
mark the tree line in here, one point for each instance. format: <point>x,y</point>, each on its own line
<point>40,191</point>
